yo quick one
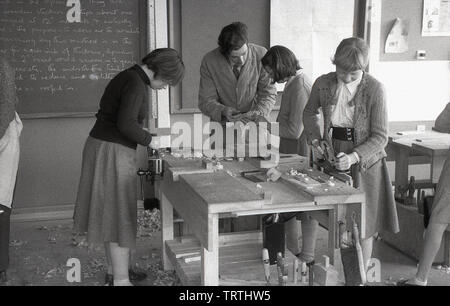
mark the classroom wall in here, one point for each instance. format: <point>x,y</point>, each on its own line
<point>50,161</point>
<point>417,90</point>
<point>51,148</point>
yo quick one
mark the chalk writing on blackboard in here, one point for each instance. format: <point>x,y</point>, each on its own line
<point>65,52</point>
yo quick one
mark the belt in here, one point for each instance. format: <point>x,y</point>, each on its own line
<point>345,134</point>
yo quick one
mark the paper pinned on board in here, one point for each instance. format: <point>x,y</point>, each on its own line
<point>397,40</point>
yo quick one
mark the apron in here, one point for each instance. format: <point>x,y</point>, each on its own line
<point>9,160</point>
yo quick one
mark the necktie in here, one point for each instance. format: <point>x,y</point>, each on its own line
<point>236,71</point>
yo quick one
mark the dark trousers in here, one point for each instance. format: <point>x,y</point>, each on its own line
<point>4,237</point>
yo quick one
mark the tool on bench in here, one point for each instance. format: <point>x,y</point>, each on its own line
<point>282,274</point>
<point>362,265</point>
<point>266,263</point>
<point>296,270</point>
<point>405,194</point>
<point>354,271</point>
<point>304,272</point>
<point>328,161</point>
<point>255,176</point>
<point>274,239</point>
<point>153,173</point>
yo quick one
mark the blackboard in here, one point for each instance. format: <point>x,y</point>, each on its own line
<point>63,67</point>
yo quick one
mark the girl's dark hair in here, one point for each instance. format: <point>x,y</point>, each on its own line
<point>282,61</point>
<point>352,54</point>
<point>232,37</point>
<point>166,63</point>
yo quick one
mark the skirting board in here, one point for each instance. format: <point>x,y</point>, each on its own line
<point>48,213</point>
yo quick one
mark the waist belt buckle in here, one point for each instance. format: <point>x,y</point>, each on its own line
<point>349,134</point>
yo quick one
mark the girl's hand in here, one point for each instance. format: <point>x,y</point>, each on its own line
<point>345,161</point>
<point>319,152</point>
<point>155,144</point>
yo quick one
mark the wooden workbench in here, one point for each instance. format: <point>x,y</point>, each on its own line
<point>203,196</point>
<point>431,145</point>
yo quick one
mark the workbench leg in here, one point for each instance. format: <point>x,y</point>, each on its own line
<point>362,227</point>
<point>332,226</point>
<point>447,248</point>
<point>437,164</point>
<point>210,258</point>
<point>166,230</point>
<point>401,167</point>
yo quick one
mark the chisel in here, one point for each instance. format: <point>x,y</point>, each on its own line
<point>266,263</point>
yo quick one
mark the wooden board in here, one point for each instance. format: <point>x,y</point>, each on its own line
<point>221,192</point>
<point>238,265</point>
<point>431,137</point>
<point>325,194</point>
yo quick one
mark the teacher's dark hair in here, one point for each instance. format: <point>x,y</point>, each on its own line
<point>232,37</point>
<point>282,61</point>
<point>167,65</point>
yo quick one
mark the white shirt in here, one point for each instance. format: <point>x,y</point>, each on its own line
<point>344,110</point>
<point>9,160</point>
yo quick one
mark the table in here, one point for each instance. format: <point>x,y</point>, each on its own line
<point>201,196</point>
<point>432,145</point>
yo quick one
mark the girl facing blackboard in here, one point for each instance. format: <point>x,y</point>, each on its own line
<point>106,205</point>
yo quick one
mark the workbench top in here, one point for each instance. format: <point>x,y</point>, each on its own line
<point>227,191</point>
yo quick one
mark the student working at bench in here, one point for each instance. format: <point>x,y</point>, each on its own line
<point>106,206</point>
<point>353,104</point>
<point>440,213</point>
<point>283,67</point>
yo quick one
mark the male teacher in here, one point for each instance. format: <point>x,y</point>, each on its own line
<point>233,83</point>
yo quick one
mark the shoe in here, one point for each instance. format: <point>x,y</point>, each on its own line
<point>3,278</point>
<point>132,274</point>
<point>136,275</point>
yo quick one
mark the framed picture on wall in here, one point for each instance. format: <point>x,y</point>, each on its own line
<point>436,18</point>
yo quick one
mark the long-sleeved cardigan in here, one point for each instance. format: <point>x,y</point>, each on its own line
<point>219,87</point>
<point>371,136</point>
<point>295,96</point>
<point>370,122</point>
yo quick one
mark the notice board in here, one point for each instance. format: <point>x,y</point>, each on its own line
<point>65,52</point>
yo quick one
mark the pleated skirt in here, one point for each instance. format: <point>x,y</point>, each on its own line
<point>381,210</point>
<point>106,205</point>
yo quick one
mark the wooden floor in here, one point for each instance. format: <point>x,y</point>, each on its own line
<point>238,264</point>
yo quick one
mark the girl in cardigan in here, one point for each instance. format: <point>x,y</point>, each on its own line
<point>283,67</point>
<point>106,206</point>
<point>10,129</point>
<point>353,104</point>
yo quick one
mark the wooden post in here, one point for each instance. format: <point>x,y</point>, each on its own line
<point>447,247</point>
<point>332,223</point>
<point>437,164</point>
<point>167,230</point>
<point>401,167</point>
<point>210,258</point>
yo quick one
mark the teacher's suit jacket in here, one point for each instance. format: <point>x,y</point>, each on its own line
<point>219,88</point>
